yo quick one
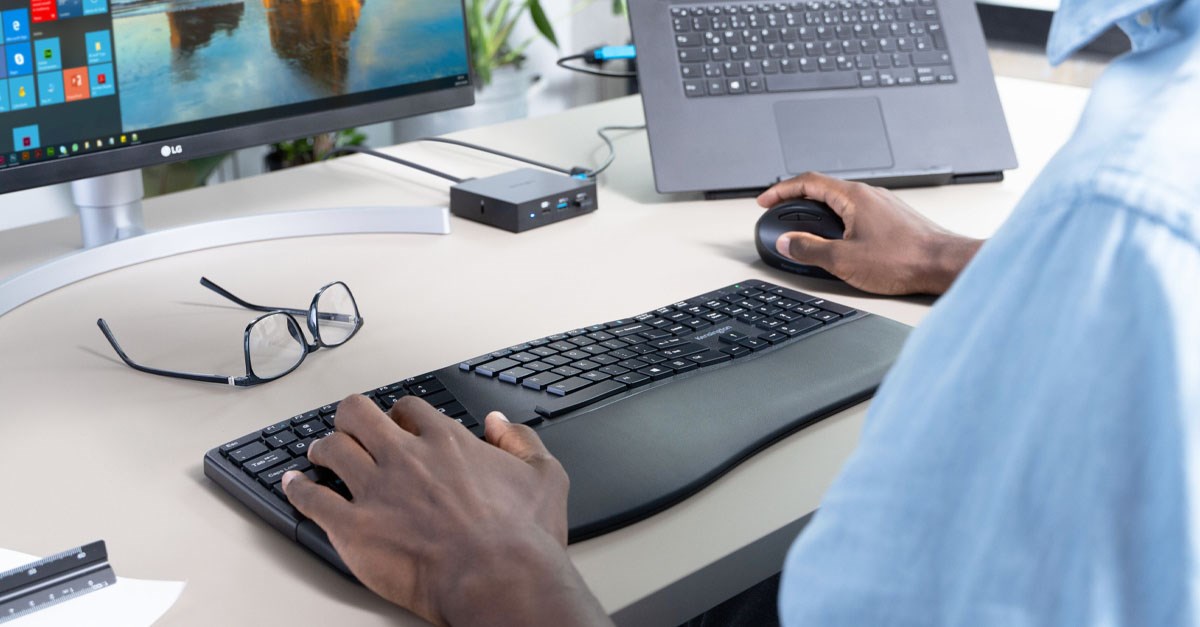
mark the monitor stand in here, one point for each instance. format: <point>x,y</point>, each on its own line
<point>114,234</point>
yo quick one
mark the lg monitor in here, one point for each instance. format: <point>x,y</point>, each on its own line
<point>92,88</point>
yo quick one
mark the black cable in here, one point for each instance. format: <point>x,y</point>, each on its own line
<point>342,150</point>
<point>499,153</point>
<point>562,63</point>
<point>612,150</point>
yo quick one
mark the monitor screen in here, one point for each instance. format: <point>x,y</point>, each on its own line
<point>95,86</point>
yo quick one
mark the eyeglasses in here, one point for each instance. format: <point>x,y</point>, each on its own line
<point>274,344</point>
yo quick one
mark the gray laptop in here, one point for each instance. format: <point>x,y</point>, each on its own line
<point>739,95</point>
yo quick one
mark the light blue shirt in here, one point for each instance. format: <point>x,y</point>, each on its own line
<point>1034,456</point>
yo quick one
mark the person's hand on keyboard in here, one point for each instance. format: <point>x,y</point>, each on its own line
<point>888,248</point>
<point>457,530</point>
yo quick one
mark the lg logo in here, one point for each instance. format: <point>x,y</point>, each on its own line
<point>168,151</point>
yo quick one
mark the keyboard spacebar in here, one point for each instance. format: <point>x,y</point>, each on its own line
<point>809,81</point>
<point>582,398</point>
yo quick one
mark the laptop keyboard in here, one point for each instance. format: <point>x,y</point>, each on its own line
<point>730,49</point>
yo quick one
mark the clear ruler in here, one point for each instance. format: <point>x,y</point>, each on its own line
<point>53,580</point>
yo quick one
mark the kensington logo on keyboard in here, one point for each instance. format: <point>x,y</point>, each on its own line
<point>714,332</point>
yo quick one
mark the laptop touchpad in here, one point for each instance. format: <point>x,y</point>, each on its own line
<point>834,135</point>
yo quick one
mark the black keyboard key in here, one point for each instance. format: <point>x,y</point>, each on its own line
<point>594,349</point>
<point>439,398</point>
<point>426,388</point>
<point>627,330</point>
<point>566,371</point>
<point>681,366</point>
<point>515,375</point>
<point>271,476</point>
<point>453,409</point>
<point>735,351</point>
<point>754,344</point>
<point>567,386</point>
<point>826,316</point>
<point>277,427</point>
<point>310,428</point>
<point>386,401</point>
<point>493,368</point>
<point>840,310</point>
<point>561,346</point>
<point>682,350</point>
<point>576,355</point>
<point>583,398</point>
<point>585,364</point>
<point>656,372</point>
<point>633,379</point>
<point>802,325</point>
<point>523,357</point>
<point>265,461</point>
<point>708,358</point>
<point>299,448</point>
<point>605,360</point>
<point>538,366</point>
<point>773,337</point>
<point>248,452</point>
<point>614,370</point>
<point>470,364</point>
<point>281,439</point>
<point>305,417</point>
<point>540,381</point>
<point>595,375</point>
<point>557,360</point>
<point>632,364</point>
<point>465,419</point>
<point>732,337</point>
<point>329,409</point>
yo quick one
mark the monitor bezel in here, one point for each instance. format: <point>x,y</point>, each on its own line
<point>195,146</point>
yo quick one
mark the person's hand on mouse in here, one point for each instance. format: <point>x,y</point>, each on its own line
<point>888,248</point>
<point>457,530</point>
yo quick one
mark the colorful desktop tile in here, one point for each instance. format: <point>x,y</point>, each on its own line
<point>50,88</point>
<point>43,10</point>
<point>3,63</point>
<point>76,85</point>
<point>95,7</point>
<point>16,25</point>
<point>70,8</point>
<point>99,47</point>
<point>26,138</point>
<point>3,95</point>
<point>20,59</point>
<point>47,54</point>
<point>22,94</point>
<point>103,82</point>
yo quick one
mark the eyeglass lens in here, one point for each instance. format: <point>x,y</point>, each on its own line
<point>337,316</point>
<point>276,346</point>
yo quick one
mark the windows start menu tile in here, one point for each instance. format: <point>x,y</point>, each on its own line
<point>58,79</point>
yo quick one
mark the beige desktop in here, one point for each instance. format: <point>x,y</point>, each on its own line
<point>94,450</point>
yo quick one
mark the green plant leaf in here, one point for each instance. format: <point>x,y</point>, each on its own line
<point>541,21</point>
<point>618,7</point>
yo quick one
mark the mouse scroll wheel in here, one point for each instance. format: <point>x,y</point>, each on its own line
<point>800,216</point>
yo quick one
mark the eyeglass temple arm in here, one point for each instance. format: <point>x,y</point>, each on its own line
<point>206,378</point>
<point>227,294</point>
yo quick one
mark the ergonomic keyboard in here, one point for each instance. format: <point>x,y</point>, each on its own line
<point>642,412</point>
<point>728,49</point>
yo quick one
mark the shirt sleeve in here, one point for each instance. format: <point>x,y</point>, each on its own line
<point>1027,460</point>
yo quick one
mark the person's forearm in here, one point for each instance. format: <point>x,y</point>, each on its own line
<point>541,588</point>
<point>948,255</point>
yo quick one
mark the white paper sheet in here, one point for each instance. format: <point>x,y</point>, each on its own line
<point>127,603</point>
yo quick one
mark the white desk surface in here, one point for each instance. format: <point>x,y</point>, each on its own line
<point>92,449</point>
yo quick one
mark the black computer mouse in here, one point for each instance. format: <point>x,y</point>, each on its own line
<point>808,216</point>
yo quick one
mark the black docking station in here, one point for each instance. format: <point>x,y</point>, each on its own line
<point>523,199</point>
